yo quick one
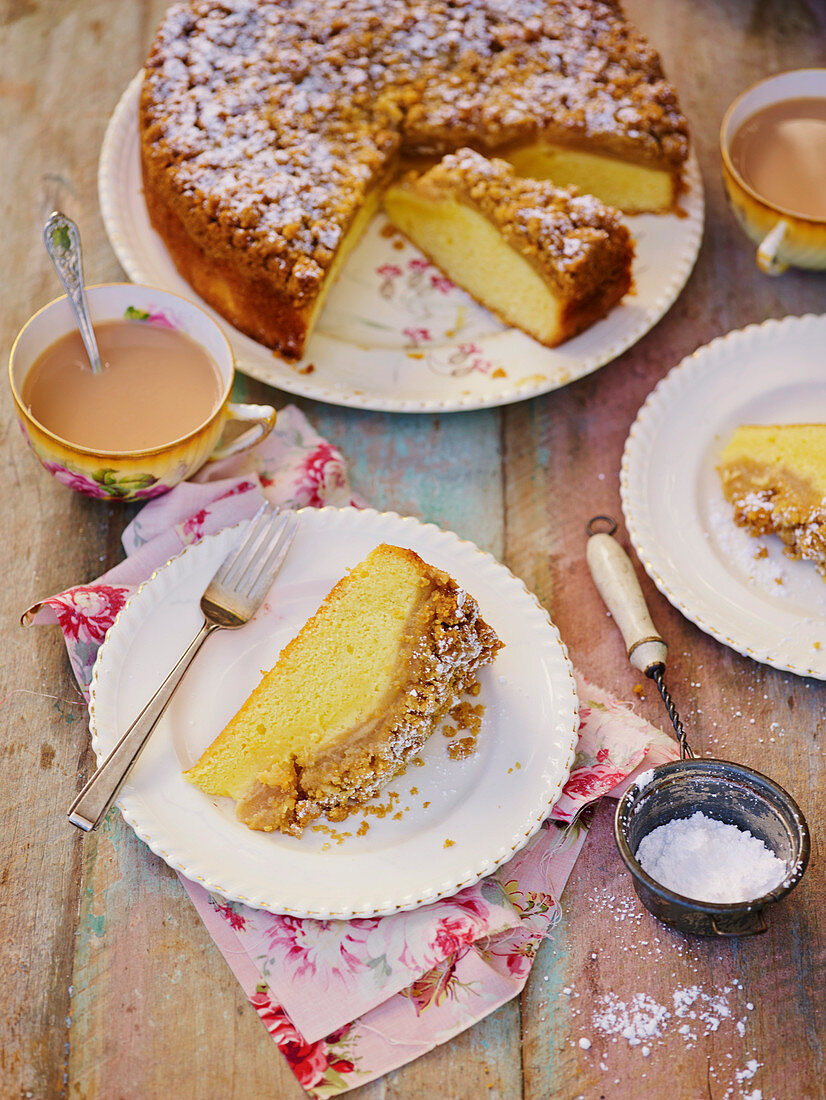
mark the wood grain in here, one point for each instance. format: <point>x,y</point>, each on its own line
<point>112,986</point>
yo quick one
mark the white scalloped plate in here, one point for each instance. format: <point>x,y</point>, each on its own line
<point>393,334</point>
<point>766,606</point>
<point>488,805</point>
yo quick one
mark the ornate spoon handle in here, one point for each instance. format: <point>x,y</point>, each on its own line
<point>62,241</point>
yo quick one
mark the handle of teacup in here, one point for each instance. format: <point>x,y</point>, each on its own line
<point>617,583</point>
<point>262,421</point>
<point>768,248</point>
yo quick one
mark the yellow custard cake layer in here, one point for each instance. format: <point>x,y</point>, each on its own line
<point>542,258</point>
<point>266,127</point>
<point>775,477</point>
<point>353,697</point>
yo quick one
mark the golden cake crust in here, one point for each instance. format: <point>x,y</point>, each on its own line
<point>265,124</point>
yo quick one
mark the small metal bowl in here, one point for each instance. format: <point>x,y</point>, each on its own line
<point>732,794</point>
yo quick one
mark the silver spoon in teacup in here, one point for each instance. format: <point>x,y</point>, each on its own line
<point>62,240</point>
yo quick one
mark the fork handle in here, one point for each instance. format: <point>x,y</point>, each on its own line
<point>92,804</point>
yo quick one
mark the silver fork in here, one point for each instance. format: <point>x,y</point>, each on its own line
<point>230,600</point>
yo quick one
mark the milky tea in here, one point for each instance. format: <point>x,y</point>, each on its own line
<point>780,153</point>
<point>156,387</point>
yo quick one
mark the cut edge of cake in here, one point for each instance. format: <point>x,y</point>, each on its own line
<point>247,302</point>
<point>629,186</point>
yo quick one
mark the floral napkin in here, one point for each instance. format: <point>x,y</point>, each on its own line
<point>348,1001</point>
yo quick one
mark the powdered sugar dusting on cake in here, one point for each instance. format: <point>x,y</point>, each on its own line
<point>572,238</point>
<point>269,122</point>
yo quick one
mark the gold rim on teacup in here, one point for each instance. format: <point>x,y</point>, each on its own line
<point>134,474</point>
<point>784,237</point>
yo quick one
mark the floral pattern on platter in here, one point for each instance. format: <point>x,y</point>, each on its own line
<point>442,312</point>
<point>416,311</point>
<point>405,283</point>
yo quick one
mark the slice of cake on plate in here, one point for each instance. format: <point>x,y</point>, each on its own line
<point>543,259</point>
<point>775,476</point>
<point>353,697</point>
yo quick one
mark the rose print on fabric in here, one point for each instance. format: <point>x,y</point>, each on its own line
<point>591,782</point>
<point>437,985</point>
<point>86,612</point>
<point>454,933</point>
<point>321,950</point>
<point>321,474</point>
<point>231,912</point>
<point>320,1066</point>
<point>337,954</point>
<point>193,527</point>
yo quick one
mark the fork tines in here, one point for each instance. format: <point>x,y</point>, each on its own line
<point>260,554</point>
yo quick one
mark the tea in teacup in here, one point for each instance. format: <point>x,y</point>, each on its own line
<point>157,385</point>
<point>773,149</point>
<point>155,414</point>
<point>780,152</point>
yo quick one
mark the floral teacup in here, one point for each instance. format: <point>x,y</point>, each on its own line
<point>783,237</point>
<point>134,475</point>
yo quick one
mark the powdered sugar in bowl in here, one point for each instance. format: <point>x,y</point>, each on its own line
<point>764,816</point>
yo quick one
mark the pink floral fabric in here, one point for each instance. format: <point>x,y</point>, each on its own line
<point>348,1001</point>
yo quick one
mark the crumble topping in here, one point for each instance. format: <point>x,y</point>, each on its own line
<point>572,239</point>
<point>440,664</point>
<point>803,533</point>
<point>265,124</point>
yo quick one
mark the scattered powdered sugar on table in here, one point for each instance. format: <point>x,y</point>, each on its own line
<point>691,1014</point>
<point>706,859</point>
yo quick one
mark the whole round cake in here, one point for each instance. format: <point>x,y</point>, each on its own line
<point>270,128</point>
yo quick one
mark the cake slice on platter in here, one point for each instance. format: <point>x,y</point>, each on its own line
<point>543,259</point>
<point>775,477</point>
<point>353,697</point>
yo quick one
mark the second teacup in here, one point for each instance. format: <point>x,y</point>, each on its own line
<point>773,149</point>
<point>111,460</point>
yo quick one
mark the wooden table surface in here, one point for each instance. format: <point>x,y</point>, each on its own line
<point>112,987</point>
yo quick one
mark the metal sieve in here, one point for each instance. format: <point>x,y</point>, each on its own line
<point>720,789</point>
